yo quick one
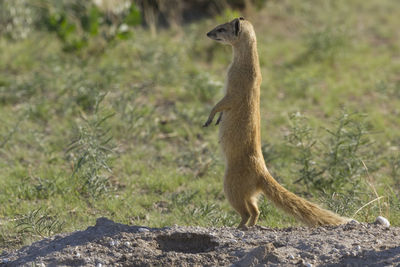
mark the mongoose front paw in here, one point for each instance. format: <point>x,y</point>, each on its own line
<point>219,119</point>
<point>208,122</point>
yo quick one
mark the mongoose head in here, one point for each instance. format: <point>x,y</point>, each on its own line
<point>233,31</point>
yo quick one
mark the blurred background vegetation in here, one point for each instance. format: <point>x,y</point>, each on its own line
<point>102,104</point>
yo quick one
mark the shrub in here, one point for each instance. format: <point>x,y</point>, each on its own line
<point>91,152</point>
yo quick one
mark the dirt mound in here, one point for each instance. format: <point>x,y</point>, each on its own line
<point>113,244</point>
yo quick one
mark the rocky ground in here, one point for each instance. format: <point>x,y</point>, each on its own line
<point>113,244</point>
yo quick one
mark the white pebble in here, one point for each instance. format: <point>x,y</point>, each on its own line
<point>307,264</point>
<point>213,234</point>
<point>99,265</point>
<point>142,230</point>
<point>383,221</point>
<point>127,243</point>
<point>291,257</point>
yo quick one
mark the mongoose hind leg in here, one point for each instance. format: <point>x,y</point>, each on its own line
<point>254,212</point>
<point>240,206</point>
<point>245,218</point>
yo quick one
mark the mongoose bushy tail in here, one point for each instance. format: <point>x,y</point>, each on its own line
<point>303,210</point>
<point>246,175</point>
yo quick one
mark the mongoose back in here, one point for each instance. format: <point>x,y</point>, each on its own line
<point>246,175</point>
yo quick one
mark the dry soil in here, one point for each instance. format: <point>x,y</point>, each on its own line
<point>113,244</point>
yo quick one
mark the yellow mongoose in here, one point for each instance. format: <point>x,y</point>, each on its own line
<point>246,175</point>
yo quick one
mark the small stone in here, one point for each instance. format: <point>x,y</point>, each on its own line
<point>240,234</point>
<point>127,243</point>
<point>339,246</point>
<point>358,247</point>
<point>142,230</point>
<point>307,255</point>
<point>352,221</point>
<point>307,264</point>
<point>325,258</point>
<point>229,236</point>
<point>213,234</point>
<point>99,265</point>
<point>4,261</point>
<point>291,257</point>
<point>382,221</point>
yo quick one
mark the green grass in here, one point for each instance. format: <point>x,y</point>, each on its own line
<point>160,166</point>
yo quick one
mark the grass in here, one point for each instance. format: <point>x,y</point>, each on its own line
<point>65,161</point>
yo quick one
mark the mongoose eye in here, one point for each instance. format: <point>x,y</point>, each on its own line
<point>221,30</point>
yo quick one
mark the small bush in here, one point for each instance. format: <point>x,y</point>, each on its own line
<point>333,166</point>
<point>91,151</point>
<point>336,162</point>
<point>75,22</point>
<point>38,222</point>
<point>17,18</point>
<point>301,138</point>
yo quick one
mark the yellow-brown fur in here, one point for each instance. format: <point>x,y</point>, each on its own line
<point>246,175</point>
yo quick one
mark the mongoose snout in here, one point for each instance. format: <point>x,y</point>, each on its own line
<point>213,35</point>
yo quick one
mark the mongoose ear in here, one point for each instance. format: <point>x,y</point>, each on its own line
<point>237,27</point>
